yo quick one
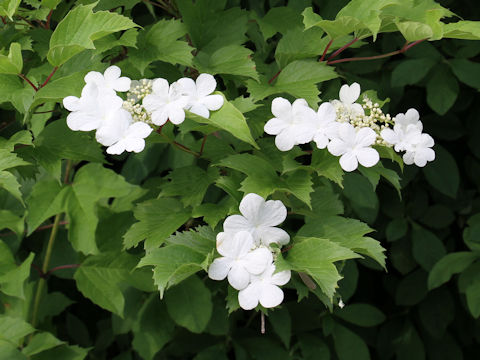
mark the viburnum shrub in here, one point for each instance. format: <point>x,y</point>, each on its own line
<point>181,165</point>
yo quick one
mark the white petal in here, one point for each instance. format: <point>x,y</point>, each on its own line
<point>200,110</point>
<point>408,157</point>
<point>238,277</point>
<point>326,112</point>
<point>122,84</point>
<point>300,103</point>
<point>281,278</point>
<point>427,140</point>
<point>423,156</point>
<point>71,103</point>
<point>357,109</point>
<point>257,260</point>
<point>337,147</point>
<point>219,268</point>
<point>275,126</point>
<point>236,223</point>
<point>152,103</point>
<point>412,116</point>
<point>94,77</point>
<point>270,296</point>
<point>240,244</point>
<point>251,207</point>
<point>284,141</point>
<point>302,134</point>
<point>206,84</point>
<point>321,140</point>
<point>365,137</point>
<point>116,149</point>
<point>188,85</point>
<point>389,136</point>
<point>139,130</point>
<point>368,156</point>
<point>213,102</point>
<point>82,121</point>
<point>248,297</point>
<point>112,73</point>
<point>348,161</point>
<point>269,235</point>
<point>281,107</point>
<point>160,87</point>
<point>272,213</point>
<point>134,145</point>
<point>349,94</point>
<point>176,115</point>
<point>347,132</point>
<point>160,117</point>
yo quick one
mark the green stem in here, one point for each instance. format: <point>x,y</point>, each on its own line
<point>48,255</point>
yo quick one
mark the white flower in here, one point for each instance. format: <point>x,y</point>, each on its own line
<point>120,134</point>
<point>348,95</point>
<point>166,102</point>
<point>199,99</point>
<point>411,117</point>
<point>421,151</point>
<point>325,126</point>
<point>402,137</point>
<point>354,147</point>
<point>110,81</point>
<point>264,289</point>
<point>292,123</point>
<point>259,218</point>
<point>239,261</point>
<point>90,111</point>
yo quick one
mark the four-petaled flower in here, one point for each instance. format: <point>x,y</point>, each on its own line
<point>347,105</point>
<point>292,123</point>
<point>166,102</point>
<point>200,100</point>
<point>238,260</point>
<point>354,147</point>
<point>110,81</point>
<point>264,289</point>
<point>420,152</point>
<point>259,218</point>
<point>325,127</point>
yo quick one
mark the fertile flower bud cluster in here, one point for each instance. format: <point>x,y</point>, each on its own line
<point>247,256</point>
<point>349,129</point>
<point>123,125</point>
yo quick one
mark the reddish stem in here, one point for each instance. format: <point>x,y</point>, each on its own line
<point>363,58</point>
<point>336,53</point>
<point>274,76</point>
<point>325,51</point>
<point>203,145</point>
<point>28,81</point>
<point>3,20</point>
<point>61,267</point>
<point>47,24</point>
<point>49,76</point>
<point>44,227</point>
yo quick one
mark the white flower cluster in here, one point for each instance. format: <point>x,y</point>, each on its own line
<point>247,258</point>
<point>349,129</point>
<point>123,125</point>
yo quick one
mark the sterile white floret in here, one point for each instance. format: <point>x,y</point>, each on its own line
<point>200,100</point>
<point>325,127</point>
<point>347,104</point>
<point>259,218</point>
<point>110,81</point>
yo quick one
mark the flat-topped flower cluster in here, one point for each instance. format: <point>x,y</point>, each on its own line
<point>123,125</point>
<point>247,255</point>
<point>349,129</point>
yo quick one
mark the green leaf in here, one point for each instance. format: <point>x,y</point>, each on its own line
<point>43,203</point>
<point>466,71</point>
<point>442,90</point>
<point>9,7</point>
<point>449,265</point>
<point>313,347</point>
<point>40,342</point>
<point>158,219</point>
<point>315,257</point>
<point>282,324</point>
<point>373,174</point>
<point>411,71</point>
<point>11,84</point>
<point>13,63</point>
<point>13,329</point>
<point>10,183</point>
<point>159,43</point>
<point>349,346</point>
<point>473,298</point>
<point>361,314</point>
<point>87,27</point>
<point>362,196</point>
<point>172,264</point>
<point>327,165</point>
<point>59,89</point>
<point>201,239</point>
<point>191,312</point>
<point>413,31</point>
<point>149,334</point>
<point>230,119</point>
<point>64,352</point>
<point>8,351</point>
<point>98,278</point>
<point>279,19</point>
<point>91,184</point>
<point>427,248</point>
<point>229,59</point>
<point>467,30</point>
<point>298,44</point>
<point>443,173</point>
<point>12,277</point>
<point>8,220</point>
<point>310,18</point>
<point>396,229</point>
<point>299,79</point>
